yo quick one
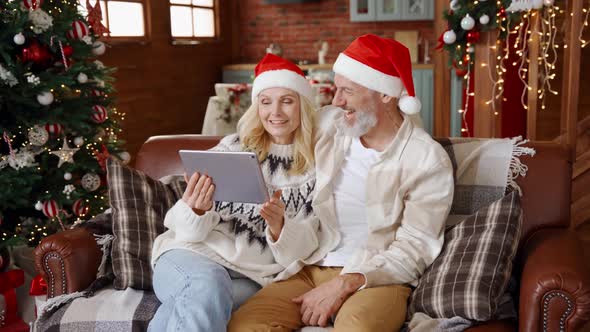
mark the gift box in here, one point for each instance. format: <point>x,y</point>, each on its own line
<point>9,319</point>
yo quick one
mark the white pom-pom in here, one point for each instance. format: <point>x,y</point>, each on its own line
<point>82,78</point>
<point>38,206</point>
<point>409,105</point>
<point>79,140</point>
<point>67,176</point>
<point>19,38</point>
<point>45,98</point>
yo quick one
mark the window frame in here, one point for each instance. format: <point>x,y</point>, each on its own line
<point>196,40</point>
<point>129,39</point>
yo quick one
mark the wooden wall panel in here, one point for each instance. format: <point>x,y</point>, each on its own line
<point>162,88</point>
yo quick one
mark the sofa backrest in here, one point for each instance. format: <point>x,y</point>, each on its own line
<point>546,187</point>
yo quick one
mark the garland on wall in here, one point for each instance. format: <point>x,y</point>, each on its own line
<point>467,18</point>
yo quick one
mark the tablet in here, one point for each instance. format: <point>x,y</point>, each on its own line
<point>236,175</point>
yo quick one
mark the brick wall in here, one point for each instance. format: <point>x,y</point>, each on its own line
<point>297,27</point>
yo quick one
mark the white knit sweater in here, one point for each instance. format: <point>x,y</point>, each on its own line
<point>235,235</point>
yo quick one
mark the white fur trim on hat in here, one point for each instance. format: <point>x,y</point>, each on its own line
<point>282,78</point>
<point>368,77</point>
<point>409,105</point>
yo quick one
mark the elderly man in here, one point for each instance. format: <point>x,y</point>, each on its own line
<point>384,190</point>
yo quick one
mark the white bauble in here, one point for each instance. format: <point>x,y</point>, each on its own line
<point>449,37</point>
<point>484,19</point>
<point>82,78</point>
<point>45,98</point>
<point>548,3</point>
<point>67,176</point>
<point>467,23</point>
<point>90,181</point>
<point>38,135</point>
<point>98,48</point>
<point>125,157</point>
<point>454,4</point>
<point>78,141</point>
<point>19,38</point>
<point>38,206</point>
<point>471,49</point>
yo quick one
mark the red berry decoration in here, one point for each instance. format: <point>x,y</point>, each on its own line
<point>473,37</point>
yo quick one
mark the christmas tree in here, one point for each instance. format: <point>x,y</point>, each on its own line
<point>58,124</point>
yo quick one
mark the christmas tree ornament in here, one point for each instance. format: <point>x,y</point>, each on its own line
<point>548,3</point>
<point>99,114</point>
<point>68,50</point>
<point>484,19</point>
<point>38,206</point>
<point>470,49</point>
<point>19,38</point>
<point>45,98</point>
<point>98,48</point>
<point>95,93</point>
<point>473,37</point>
<point>78,141</point>
<point>54,129</point>
<point>125,157</point>
<point>32,4</point>
<point>67,176</point>
<point>82,78</point>
<point>79,30</point>
<point>467,22</point>
<point>36,54</point>
<point>38,135</point>
<point>95,19</point>
<point>65,154</point>
<point>68,190</point>
<point>80,208</point>
<point>454,5</point>
<point>90,181</point>
<point>50,208</point>
<point>449,37</point>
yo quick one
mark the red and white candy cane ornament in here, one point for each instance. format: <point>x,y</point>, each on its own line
<point>79,208</point>
<point>54,129</point>
<point>99,114</point>
<point>50,208</point>
<point>32,4</point>
<point>79,30</point>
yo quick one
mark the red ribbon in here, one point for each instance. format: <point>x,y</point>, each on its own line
<point>237,90</point>
<point>8,282</point>
<point>38,286</point>
<point>441,42</point>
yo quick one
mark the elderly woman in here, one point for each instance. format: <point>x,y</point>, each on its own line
<point>216,254</point>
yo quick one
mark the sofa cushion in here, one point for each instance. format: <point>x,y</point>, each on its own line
<point>471,273</point>
<point>139,205</point>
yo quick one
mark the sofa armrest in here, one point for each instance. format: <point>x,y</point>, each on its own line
<point>555,283</point>
<point>68,261</point>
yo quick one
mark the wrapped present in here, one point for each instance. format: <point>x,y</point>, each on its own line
<point>38,291</point>
<point>9,320</point>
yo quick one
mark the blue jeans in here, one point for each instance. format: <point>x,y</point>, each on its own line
<point>196,293</point>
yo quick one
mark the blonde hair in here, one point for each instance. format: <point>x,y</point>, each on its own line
<point>254,137</point>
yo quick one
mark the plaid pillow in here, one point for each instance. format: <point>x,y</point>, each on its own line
<point>139,205</point>
<point>471,273</point>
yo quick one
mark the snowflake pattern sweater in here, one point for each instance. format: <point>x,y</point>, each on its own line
<point>235,235</point>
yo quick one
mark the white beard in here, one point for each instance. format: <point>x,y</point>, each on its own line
<point>364,121</point>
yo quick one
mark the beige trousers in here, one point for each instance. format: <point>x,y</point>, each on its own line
<point>272,309</point>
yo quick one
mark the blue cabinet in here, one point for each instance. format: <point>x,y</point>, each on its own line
<point>391,10</point>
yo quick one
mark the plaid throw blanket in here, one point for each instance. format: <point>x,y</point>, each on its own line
<point>485,169</point>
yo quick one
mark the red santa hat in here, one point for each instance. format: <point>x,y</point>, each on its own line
<point>382,65</point>
<point>275,72</point>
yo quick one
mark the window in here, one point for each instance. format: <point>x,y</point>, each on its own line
<point>124,19</point>
<point>193,19</point>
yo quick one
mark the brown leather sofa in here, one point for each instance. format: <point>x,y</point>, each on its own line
<point>553,273</point>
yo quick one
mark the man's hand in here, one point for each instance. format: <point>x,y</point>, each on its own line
<point>273,213</point>
<point>320,303</point>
